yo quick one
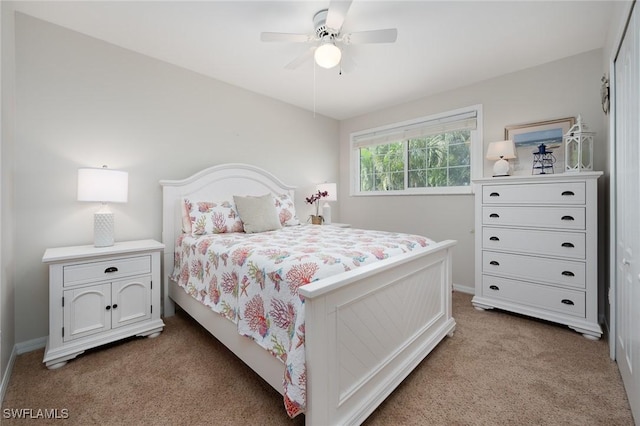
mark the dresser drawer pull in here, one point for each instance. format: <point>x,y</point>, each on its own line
<point>110,269</point>
<point>568,274</point>
<point>494,215</point>
<point>570,245</point>
<point>568,193</point>
<point>108,308</point>
<point>494,287</point>
<point>494,194</point>
<point>567,218</point>
<point>567,302</point>
<point>493,262</point>
<point>494,239</point>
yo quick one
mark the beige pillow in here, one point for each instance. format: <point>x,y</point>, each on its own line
<point>258,214</point>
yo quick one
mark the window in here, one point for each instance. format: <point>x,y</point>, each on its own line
<point>438,154</point>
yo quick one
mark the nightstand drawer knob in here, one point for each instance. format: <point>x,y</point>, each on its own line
<point>110,269</point>
<point>494,194</point>
<point>108,308</point>
<point>494,239</point>
<point>568,274</point>
<point>568,193</point>
<point>567,302</point>
<point>570,245</point>
<point>493,262</point>
<point>494,287</point>
<point>115,305</point>
<point>494,215</point>
<point>567,218</point>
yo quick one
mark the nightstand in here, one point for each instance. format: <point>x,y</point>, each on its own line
<point>98,295</point>
<point>339,225</point>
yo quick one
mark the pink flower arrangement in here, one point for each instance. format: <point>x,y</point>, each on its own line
<point>315,199</point>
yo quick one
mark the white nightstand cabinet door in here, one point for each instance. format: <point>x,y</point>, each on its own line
<point>86,311</point>
<point>131,301</point>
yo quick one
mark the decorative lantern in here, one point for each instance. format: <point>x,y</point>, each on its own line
<point>543,161</point>
<point>578,148</point>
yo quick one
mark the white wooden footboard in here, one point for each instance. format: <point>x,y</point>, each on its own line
<point>366,333</point>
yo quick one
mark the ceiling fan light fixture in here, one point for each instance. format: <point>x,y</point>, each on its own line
<point>328,55</point>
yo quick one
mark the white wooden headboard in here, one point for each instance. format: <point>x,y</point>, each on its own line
<point>215,183</point>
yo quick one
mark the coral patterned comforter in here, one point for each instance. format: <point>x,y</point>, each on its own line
<point>253,280</point>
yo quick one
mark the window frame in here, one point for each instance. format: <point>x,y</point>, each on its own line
<point>476,153</point>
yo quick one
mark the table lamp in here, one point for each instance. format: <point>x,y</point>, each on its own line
<point>501,152</point>
<point>332,191</point>
<point>104,186</point>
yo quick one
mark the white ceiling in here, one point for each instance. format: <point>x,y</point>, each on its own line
<point>441,45</point>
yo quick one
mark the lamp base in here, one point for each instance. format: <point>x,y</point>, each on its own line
<point>103,229</point>
<point>326,213</point>
<point>501,168</point>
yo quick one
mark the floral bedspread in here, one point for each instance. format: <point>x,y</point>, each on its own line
<point>253,280</point>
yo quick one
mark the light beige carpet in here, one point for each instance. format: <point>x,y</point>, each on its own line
<point>498,368</point>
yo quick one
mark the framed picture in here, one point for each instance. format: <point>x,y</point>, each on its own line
<point>528,137</point>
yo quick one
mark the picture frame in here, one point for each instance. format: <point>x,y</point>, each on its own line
<point>527,138</point>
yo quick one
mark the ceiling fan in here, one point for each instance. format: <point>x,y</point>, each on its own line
<point>327,37</point>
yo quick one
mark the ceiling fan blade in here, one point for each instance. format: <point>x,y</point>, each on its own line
<point>374,36</point>
<point>286,37</point>
<point>307,55</point>
<point>337,12</point>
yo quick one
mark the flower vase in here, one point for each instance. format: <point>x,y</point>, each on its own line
<point>317,220</point>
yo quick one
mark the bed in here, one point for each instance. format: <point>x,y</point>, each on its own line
<point>350,365</point>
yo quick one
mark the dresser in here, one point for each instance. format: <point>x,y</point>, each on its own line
<point>98,295</point>
<point>536,248</point>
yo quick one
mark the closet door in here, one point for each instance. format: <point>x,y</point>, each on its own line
<point>627,262</point>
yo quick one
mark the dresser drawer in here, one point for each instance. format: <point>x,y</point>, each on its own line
<point>529,241</point>
<point>543,217</point>
<point>560,300</point>
<point>552,271</point>
<point>105,270</point>
<point>535,193</point>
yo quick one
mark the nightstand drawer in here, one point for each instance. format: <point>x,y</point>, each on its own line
<point>545,243</point>
<point>535,193</point>
<point>565,301</point>
<point>105,270</point>
<point>552,271</point>
<point>543,217</point>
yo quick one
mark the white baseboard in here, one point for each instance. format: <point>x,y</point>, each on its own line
<point>18,349</point>
<point>7,373</point>
<point>464,289</point>
<point>31,345</point>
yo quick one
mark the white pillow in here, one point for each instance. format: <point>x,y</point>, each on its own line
<point>258,214</point>
<point>286,210</point>
<point>210,217</point>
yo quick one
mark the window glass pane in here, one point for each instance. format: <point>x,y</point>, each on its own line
<point>382,167</point>
<point>437,177</point>
<point>417,178</point>
<point>460,176</point>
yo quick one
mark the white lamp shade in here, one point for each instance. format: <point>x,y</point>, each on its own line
<point>103,185</point>
<point>501,150</point>
<point>332,190</point>
<point>328,55</point>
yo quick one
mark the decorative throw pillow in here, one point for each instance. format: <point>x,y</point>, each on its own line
<point>286,210</point>
<point>258,214</point>
<point>209,217</point>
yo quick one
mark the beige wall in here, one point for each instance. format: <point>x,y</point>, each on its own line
<point>559,89</point>
<point>82,102</point>
<point>7,259</point>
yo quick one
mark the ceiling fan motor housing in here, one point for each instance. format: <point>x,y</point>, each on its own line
<point>319,23</point>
